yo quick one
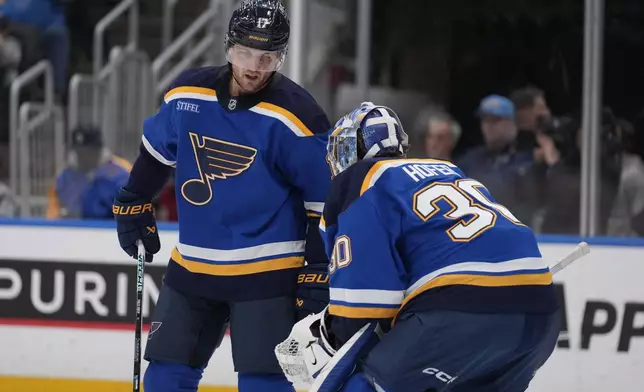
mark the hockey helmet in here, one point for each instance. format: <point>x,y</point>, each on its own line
<point>258,34</point>
<point>367,132</point>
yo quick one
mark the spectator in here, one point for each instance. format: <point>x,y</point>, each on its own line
<point>531,111</point>
<point>10,54</point>
<point>10,57</point>
<point>8,202</point>
<point>629,203</point>
<point>561,151</point>
<point>498,164</point>
<point>86,188</point>
<point>441,134</point>
<point>48,18</point>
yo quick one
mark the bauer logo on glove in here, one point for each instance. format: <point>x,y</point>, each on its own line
<point>135,221</point>
<point>132,210</point>
<point>312,289</point>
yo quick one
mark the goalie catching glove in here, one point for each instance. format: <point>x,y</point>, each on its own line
<point>306,350</point>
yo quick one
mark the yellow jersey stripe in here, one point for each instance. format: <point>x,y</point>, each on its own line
<point>381,166</point>
<point>288,115</point>
<point>237,269</point>
<point>358,312</point>
<point>191,92</point>
<point>122,163</point>
<point>542,279</point>
<point>322,223</point>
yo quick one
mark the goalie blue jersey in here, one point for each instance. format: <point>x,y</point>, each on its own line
<point>250,171</point>
<point>418,234</point>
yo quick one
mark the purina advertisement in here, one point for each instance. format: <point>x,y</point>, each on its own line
<point>67,297</point>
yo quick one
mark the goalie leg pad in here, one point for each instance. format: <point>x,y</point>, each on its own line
<point>344,362</point>
<point>255,382</point>
<point>171,377</point>
<point>358,383</point>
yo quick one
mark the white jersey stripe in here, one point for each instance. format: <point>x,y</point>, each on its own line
<point>188,95</point>
<point>384,297</point>
<point>312,206</point>
<point>241,254</point>
<point>528,263</point>
<point>278,116</point>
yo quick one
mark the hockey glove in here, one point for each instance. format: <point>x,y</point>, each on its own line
<point>306,350</point>
<point>312,289</point>
<point>135,221</point>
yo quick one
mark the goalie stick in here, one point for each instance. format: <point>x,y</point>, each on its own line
<point>580,251</point>
<point>140,267</point>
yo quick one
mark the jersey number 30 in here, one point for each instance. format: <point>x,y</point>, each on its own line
<point>473,210</point>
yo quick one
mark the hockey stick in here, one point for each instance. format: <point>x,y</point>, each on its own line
<point>140,267</point>
<point>580,251</point>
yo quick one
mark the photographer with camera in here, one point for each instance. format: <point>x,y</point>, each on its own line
<point>559,153</point>
<point>530,103</point>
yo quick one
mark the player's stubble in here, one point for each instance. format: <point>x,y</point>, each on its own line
<point>247,82</point>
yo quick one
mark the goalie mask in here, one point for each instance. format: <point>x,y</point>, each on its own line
<point>367,132</point>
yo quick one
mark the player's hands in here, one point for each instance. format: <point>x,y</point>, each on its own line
<point>312,289</point>
<point>135,221</point>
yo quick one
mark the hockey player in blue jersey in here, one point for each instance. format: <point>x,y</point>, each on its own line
<point>421,250</point>
<point>249,149</point>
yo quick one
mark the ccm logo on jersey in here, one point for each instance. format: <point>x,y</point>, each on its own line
<point>312,278</point>
<point>132,210</point>
<point>442,376</point>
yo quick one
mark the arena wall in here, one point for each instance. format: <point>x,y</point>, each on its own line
<point>67,311</point>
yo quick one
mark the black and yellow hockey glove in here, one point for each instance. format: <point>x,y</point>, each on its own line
<point>312,289</point>
<point>135,221</point>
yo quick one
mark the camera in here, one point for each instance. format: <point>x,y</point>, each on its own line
<point>563,132</point>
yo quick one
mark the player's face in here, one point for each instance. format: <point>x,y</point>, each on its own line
<point>250,81</point>
<point>252,67</point>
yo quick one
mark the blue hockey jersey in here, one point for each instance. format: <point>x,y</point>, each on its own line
<point>249,170</point>
<point>418,234</point>
<point>88,195</point>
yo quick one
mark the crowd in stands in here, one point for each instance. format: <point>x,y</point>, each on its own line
<point>531,162</point>
<point>530,159</point>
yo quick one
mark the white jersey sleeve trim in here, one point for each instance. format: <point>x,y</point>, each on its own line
<point>157,155</point>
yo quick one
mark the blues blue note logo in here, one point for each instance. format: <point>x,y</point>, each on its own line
<point>216,159</point>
